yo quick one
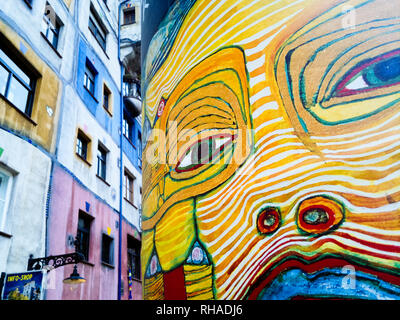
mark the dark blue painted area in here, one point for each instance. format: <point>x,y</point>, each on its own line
<point>94,102</point>
<point>164,36</point>
<point>328,283</point>
<point>388,70</point>
<point>154,12</point>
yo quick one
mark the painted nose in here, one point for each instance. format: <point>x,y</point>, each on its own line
<point>319,215</point>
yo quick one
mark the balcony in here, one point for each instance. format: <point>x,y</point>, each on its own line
<point>132,99</point>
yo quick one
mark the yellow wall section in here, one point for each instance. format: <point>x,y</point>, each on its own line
<point>198,281</point>
<point>42,128</point>
<point>154,288</point>
<point>68,3</point>
<point>177,227</point>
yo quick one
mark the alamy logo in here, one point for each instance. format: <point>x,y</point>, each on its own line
<point>349,280</point>
<point>349,17</point>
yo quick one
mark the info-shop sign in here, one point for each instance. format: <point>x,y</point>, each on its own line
<point>23,286</point>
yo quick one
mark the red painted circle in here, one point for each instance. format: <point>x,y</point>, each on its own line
<point>268,220</point>
<point>161,107</point>
<point>316,227</point>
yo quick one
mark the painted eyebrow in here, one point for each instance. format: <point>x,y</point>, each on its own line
<point>301,78</point>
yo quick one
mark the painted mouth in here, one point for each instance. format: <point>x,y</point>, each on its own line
<point>326,278</point>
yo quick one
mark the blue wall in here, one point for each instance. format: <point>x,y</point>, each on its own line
<point>95,103</point>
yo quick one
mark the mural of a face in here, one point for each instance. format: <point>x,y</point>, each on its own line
<point>272,159</point>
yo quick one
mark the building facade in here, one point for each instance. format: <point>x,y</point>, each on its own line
<point>70,160</point>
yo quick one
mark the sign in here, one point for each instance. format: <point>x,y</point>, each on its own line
<point>23,286</point>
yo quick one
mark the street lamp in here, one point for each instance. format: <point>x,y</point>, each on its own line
<point>74,278</point>
<point>52,262</point>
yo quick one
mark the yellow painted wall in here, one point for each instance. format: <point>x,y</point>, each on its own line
<point>41,127</point>
<point>68,3</point>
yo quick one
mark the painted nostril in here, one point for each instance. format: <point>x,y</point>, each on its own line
<point>319,214</point>
<point>268,220</point>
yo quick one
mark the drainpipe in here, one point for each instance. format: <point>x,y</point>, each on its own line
<point>121,152</point>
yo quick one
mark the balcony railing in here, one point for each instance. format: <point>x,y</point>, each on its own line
<point>132,99</point>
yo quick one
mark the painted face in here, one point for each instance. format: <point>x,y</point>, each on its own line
<point>271,160</point>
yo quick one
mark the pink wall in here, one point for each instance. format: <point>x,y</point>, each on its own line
<point>136,286</point>
<point>67,198</point>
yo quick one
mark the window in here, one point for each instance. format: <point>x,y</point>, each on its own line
<point>82,145</point>
<point>106,98</point>
<point>129,186</point>
<point>134,257</point>
<point>129,16</point>
<point>5,194</point>
<point>127,127</point>
<point>140,149</point>
<point>51,26</point>
<point>97,28</point>
<point>83,234</point>
<point>101,162</point>
<point>17,83</point>
<point>107,249</point>
<point>89,79</point>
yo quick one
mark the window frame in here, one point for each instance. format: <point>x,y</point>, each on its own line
<point>140,151</point>
<point>49,27</point>
<point>97,28</point>
<point>102,161</point>
<point>17,65</point>
<point>89,219</point>
<point>127,126</point>
<point>7,198</point>
<point>81,136</point>
<point>107,95</point>
<point>89,77</point>
<point>129,186</point>
<point>134,257</point>
<point>128,11</point>
<point>110,261</point>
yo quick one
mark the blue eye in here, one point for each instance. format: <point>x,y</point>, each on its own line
<point>384,72</point>
<point>377,73</point>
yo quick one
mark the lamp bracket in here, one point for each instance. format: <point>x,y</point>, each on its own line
<point>54,261</point>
